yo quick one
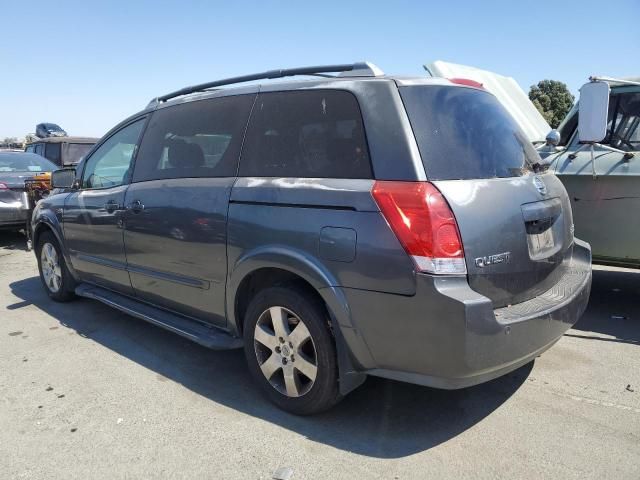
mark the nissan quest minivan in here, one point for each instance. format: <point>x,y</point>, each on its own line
<point>348,225</point>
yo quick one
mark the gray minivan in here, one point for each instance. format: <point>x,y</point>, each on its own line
<point>344,226</point>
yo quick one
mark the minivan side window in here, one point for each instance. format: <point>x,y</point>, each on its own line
<point>308,134</point>
<point>39,149</point>
<point>195,139</point>
<point>109,166</point>
<point>30,148</point>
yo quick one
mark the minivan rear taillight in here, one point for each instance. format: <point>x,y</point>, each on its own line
<point>423,222</point>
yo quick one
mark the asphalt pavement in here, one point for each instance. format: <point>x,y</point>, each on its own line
<point>88,392</point>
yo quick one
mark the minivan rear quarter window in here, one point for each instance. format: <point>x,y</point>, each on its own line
<point>465,133</point>
<point>308,134</point>
<point>195,139</point>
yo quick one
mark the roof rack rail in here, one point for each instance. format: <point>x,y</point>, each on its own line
<point>358,69</point>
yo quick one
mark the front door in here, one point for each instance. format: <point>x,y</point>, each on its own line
<point>93,215</point>
<point>175,225</point>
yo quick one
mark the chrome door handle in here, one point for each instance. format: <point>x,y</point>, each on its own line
<point>136,206</point>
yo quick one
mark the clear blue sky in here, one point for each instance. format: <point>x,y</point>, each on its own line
<point>87,66</point>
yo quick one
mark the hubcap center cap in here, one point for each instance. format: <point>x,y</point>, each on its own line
<point>285,351</point>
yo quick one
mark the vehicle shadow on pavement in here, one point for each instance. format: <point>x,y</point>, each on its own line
<point>382,418</point>
<point>10,240</point>
<point>612,306</point>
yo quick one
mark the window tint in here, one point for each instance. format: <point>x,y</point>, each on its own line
<point>465,133</point>
<point>75,151</point>
<point>109,165</point>
<point>312,133</point>
<point>52,152</point>
<point>195,139</point>
<point>30,148</point>
<point>39,149</point>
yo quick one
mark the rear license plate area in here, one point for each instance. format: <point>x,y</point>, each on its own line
<point>541,244</point>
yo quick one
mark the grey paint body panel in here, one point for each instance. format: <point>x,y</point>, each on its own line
<point>263,213</point>
<point>452,337</point>
<point>94,237</point>
<point>496,216</point>
<point>176,246</point>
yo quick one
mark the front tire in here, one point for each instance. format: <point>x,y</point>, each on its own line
<point>290,350</point>
<point>54,274</point>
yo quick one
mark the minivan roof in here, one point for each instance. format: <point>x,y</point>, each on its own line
<point>300,84</point>
<point>358,71</point>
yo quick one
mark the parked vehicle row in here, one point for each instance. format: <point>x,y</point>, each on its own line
<point>335,228</point>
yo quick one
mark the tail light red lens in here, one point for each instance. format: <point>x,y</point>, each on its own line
<point>423,222</point>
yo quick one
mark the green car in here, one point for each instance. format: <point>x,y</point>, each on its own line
<point>605,191</point>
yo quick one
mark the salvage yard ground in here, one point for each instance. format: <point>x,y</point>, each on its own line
<point>88,392</point>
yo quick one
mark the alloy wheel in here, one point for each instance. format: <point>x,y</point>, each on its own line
<point>285,351</point>
<point>51,270</point>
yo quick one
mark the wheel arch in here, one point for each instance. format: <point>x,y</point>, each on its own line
<point>270,266</point>
<point>48,222</point>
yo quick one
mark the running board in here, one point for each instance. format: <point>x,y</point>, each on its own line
<point>206,335</point>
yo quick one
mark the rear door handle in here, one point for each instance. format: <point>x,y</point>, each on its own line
<point>136,206</point>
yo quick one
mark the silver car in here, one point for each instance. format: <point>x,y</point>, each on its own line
<point>15,168</point>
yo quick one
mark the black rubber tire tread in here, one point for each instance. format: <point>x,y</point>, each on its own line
<point>67,291</point>
<point>325,392</point>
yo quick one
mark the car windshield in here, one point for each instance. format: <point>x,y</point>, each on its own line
<point>25,162</point>
<point>624,118</point>
<point>465,133</point>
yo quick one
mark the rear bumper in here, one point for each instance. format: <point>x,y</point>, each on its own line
<point>12,215</point>
<point>449,336</point>
<point>14,209</point>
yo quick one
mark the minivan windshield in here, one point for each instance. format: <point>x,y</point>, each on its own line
<point>465,133</point>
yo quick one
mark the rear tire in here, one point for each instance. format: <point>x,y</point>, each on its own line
<point>290,350</point>
<point>54,274</point>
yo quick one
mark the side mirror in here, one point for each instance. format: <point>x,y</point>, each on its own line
<point>593,111</point>
<point>553,138</point>
<point>64,178</point>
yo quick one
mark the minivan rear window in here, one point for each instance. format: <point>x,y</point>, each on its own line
<point>306,134</point>
<point>465,133</point>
